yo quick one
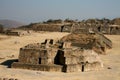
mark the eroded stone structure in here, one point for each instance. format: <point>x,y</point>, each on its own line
<point>47,27</point>
<point>92,28</point>
<point>17,32</point>
<point>57,56</point>
<point>97,41</point>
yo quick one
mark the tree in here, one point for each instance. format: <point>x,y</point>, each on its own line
<point>69,20</point>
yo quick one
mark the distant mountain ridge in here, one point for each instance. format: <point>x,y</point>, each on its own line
<point>11,23</point>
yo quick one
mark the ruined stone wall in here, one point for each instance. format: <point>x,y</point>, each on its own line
<point>47,27</point>
<point>97,42</point>
<point>66,28</point>
<point>30,56</point>
<point>72,68</point>
<point>52,52</point>
<point>102,28</point>
<point>37,56</point>
<point>107,29</point>
<point>114,30</point>
<point>65,58</point>
<point>80,40</point>
<point>92,66</point>
<point>104,40</point>
<point>17,33</point>
<point>13,33</point>
<point>53,68</point>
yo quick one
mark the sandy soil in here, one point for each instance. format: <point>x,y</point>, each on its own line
<point>9,49</point>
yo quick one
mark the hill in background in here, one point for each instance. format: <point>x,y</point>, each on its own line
<point>11,23</point>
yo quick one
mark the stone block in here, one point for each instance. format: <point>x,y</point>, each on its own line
<point>66,45</point>
<point>71,68</point>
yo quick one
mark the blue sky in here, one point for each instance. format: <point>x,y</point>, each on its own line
<point>39,10</point>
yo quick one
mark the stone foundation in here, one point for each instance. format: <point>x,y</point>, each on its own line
<point>63,58</point>
<point>40,67</point>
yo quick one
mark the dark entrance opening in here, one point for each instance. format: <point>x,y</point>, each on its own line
<point>51,41</point>
<point>59,58</point>
<point>103,49</point>
<point>56,60</point>
<point>82,66</point>
<point>99,29</point>
<point>62,28</point>
<point>117,28</point>
<point>39,60</point>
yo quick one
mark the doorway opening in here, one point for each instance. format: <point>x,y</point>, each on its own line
<point>83,65</point>
<point>39,60</point>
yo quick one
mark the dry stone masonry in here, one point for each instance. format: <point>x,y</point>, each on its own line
<point>58,57</point>
<point>97,41</point>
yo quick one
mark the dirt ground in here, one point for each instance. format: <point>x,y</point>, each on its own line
<point>9,49</point>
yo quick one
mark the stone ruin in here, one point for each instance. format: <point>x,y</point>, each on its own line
<point>76,27</point>
<point>57,56</point>
<point>97,41</point>
<point>47,27</point>
<point>91,28</point>
<point>13,32</point>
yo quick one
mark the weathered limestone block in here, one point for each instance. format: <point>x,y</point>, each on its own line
<point>67,45</point>
<point>43,60</point>
<point>29,56</point>
<point>71,68</point>
<point>47,60</point>
<point>67,52</point>
<point>92,66</point>
<point>71,60</point>
<point>52,52</point>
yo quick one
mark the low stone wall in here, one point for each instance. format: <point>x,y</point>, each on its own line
<point>71,68</point>
<point>13,33</point>
<point>92,66</point>
<point>18,33</point>
<point>47,27</point>
<point>40,67</point>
